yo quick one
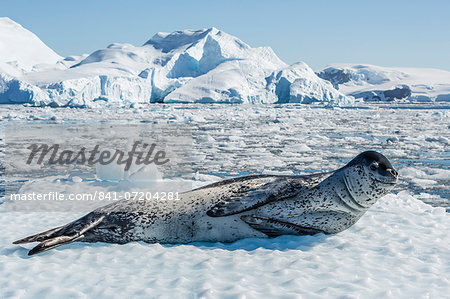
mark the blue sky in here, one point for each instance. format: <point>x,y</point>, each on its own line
<point>387,33</point>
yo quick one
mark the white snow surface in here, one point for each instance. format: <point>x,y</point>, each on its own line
<point>399,249</point>
<point>188,66</point>
<point>21,50</point>
<point>376,83</point>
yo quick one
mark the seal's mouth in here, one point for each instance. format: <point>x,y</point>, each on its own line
<point>387,182</point>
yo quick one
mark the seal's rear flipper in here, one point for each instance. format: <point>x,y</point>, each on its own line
<point>275,228</point>
<point>63,235</point>
<point>54,242</point>
<point>39,237</point>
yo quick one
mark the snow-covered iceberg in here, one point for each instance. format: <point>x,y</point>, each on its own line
<point>375,83</point>
<point>194,66</point>
<point>206,66</point>
<point>21,50</point>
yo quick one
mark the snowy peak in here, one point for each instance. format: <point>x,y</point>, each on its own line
<point>184,39</point>
<point>210,44</point>
<point>20,49</point>
<point>167,42</point>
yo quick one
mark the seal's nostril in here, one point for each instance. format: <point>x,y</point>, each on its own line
<point>393,172</point>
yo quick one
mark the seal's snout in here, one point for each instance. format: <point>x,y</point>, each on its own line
<point>393,172</point>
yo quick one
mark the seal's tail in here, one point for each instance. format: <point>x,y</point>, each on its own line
<point>63,235</point>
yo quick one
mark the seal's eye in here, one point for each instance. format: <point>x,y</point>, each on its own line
<point>374,166</point>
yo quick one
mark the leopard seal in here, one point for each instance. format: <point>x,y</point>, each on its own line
<point>250,206</point>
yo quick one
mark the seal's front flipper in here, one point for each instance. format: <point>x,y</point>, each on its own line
<point>64,235</point>
<point>248,199</point>
<point>275,228</point>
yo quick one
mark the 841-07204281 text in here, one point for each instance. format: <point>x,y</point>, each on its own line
<point>97,195</point>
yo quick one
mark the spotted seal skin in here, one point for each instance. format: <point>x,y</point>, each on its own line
<point>251,206</point>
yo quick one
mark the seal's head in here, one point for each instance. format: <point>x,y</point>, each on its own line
<point>368,177</point>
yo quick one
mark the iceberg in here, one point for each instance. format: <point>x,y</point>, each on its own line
<point>375,83</point>
<point>298,83</point>
<point>188,66</point>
